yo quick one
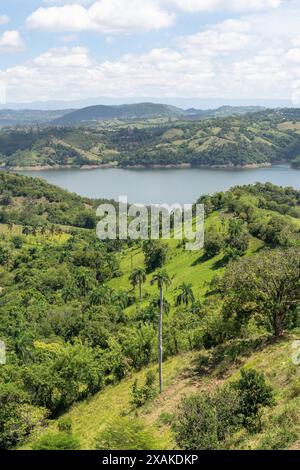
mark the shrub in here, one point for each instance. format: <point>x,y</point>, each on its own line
<point>17,241</point>
<point>196,427</point>
<point>229,418</point>
<point>214,244</point>
<point>65,425</point>
<point>254,394</point>
<point>126,433</point>
<point>57,441</point>
<point>140,396</point>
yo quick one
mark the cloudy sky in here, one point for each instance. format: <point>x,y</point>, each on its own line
<point>77,49</point>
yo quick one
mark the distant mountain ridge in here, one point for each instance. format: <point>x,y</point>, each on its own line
<point>122,112</point>
<point>12,117</point>
<point>145,111</point>
<point>125,112</point>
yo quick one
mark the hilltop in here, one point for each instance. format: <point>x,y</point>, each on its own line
<point>122,112</point>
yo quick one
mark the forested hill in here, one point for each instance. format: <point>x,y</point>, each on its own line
<point>33,202</point>
<point>122,112</point>
<point>260,138</point>
<point>79,319</point>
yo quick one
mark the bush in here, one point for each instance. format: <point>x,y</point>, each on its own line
<point>65,425</point>
<point>57,441</point>
<point>126,434</point>
<point>213,244</point>
<point>229,418</point>
<point>18,241</point>
<point>254,394</point>
<point>196,427</point>
<point>140,396</point>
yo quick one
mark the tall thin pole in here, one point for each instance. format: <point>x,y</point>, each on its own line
<point>160,345</point>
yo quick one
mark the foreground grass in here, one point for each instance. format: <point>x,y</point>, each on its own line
<point>280,424</point>
<point>89,418</point>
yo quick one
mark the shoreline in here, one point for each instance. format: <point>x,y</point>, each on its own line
<point>250,166</point>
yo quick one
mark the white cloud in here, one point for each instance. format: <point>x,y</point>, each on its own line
<point>296,41</point>
<point>105,16</point>
<point>230,5</point>
<point>11,41</point>
<point>227,59</point>
<point>4,19</point>
<point>64,57</point>
<point>225,37</point>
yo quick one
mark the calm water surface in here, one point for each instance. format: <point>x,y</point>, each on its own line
<point>163,185</point>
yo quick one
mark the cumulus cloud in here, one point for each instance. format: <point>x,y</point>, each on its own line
<point>230,35</point>
<point>64,57</point>
<point>11,41</point>
<point>231,5</point>
<point>4,19</point>
<point>227,59</point>
<point>105,16</point>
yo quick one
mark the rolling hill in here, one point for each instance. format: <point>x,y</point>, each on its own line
<point>258,138</point>
<point>94,114</point>
<point>29,117</point>
<point>121,112</point>
<point>77,331</point>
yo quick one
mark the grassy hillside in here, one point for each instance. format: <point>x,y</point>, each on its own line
<point>78,335</point>
<point>258,138</point>
<point>281,424</point>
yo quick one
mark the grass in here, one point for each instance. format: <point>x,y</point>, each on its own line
<point>182,266</point>
<point>280,424</point>
<point>89,418</point>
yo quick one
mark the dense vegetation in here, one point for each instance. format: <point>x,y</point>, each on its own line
<point>256,138</point>
<point>78,314</point>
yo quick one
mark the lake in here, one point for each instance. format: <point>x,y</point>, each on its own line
<point>156,186</point>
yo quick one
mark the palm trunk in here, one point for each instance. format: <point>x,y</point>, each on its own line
<point>160,345</point>
<point>140,291</point>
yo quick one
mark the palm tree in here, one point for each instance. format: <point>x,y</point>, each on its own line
<point>186,295</point>
<point>26,231</point>
<point>138,278</point>
<point>155,303</point>
<point>161,278</point>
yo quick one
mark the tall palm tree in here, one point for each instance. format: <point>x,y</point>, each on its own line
<point>161,278</point>
<point>186,295</point>
<point>138,278</point>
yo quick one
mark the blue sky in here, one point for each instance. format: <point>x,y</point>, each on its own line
<point>77,49</point>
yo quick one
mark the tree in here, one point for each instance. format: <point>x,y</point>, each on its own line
<point>137,278</point>
<point>237,241</point>
<point>213,244</point>
<point>155,254</point>
<point>185,295</point>
<point>266,287</point>
<point>162,280</point>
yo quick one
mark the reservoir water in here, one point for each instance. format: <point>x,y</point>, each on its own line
<point>163,185</point>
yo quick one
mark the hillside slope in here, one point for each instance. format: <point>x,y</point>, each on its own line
<point>78,331</point>
<point>261,138</point>
<point>281,424</point>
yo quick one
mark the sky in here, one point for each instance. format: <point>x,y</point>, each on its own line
<point>78,49</point>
